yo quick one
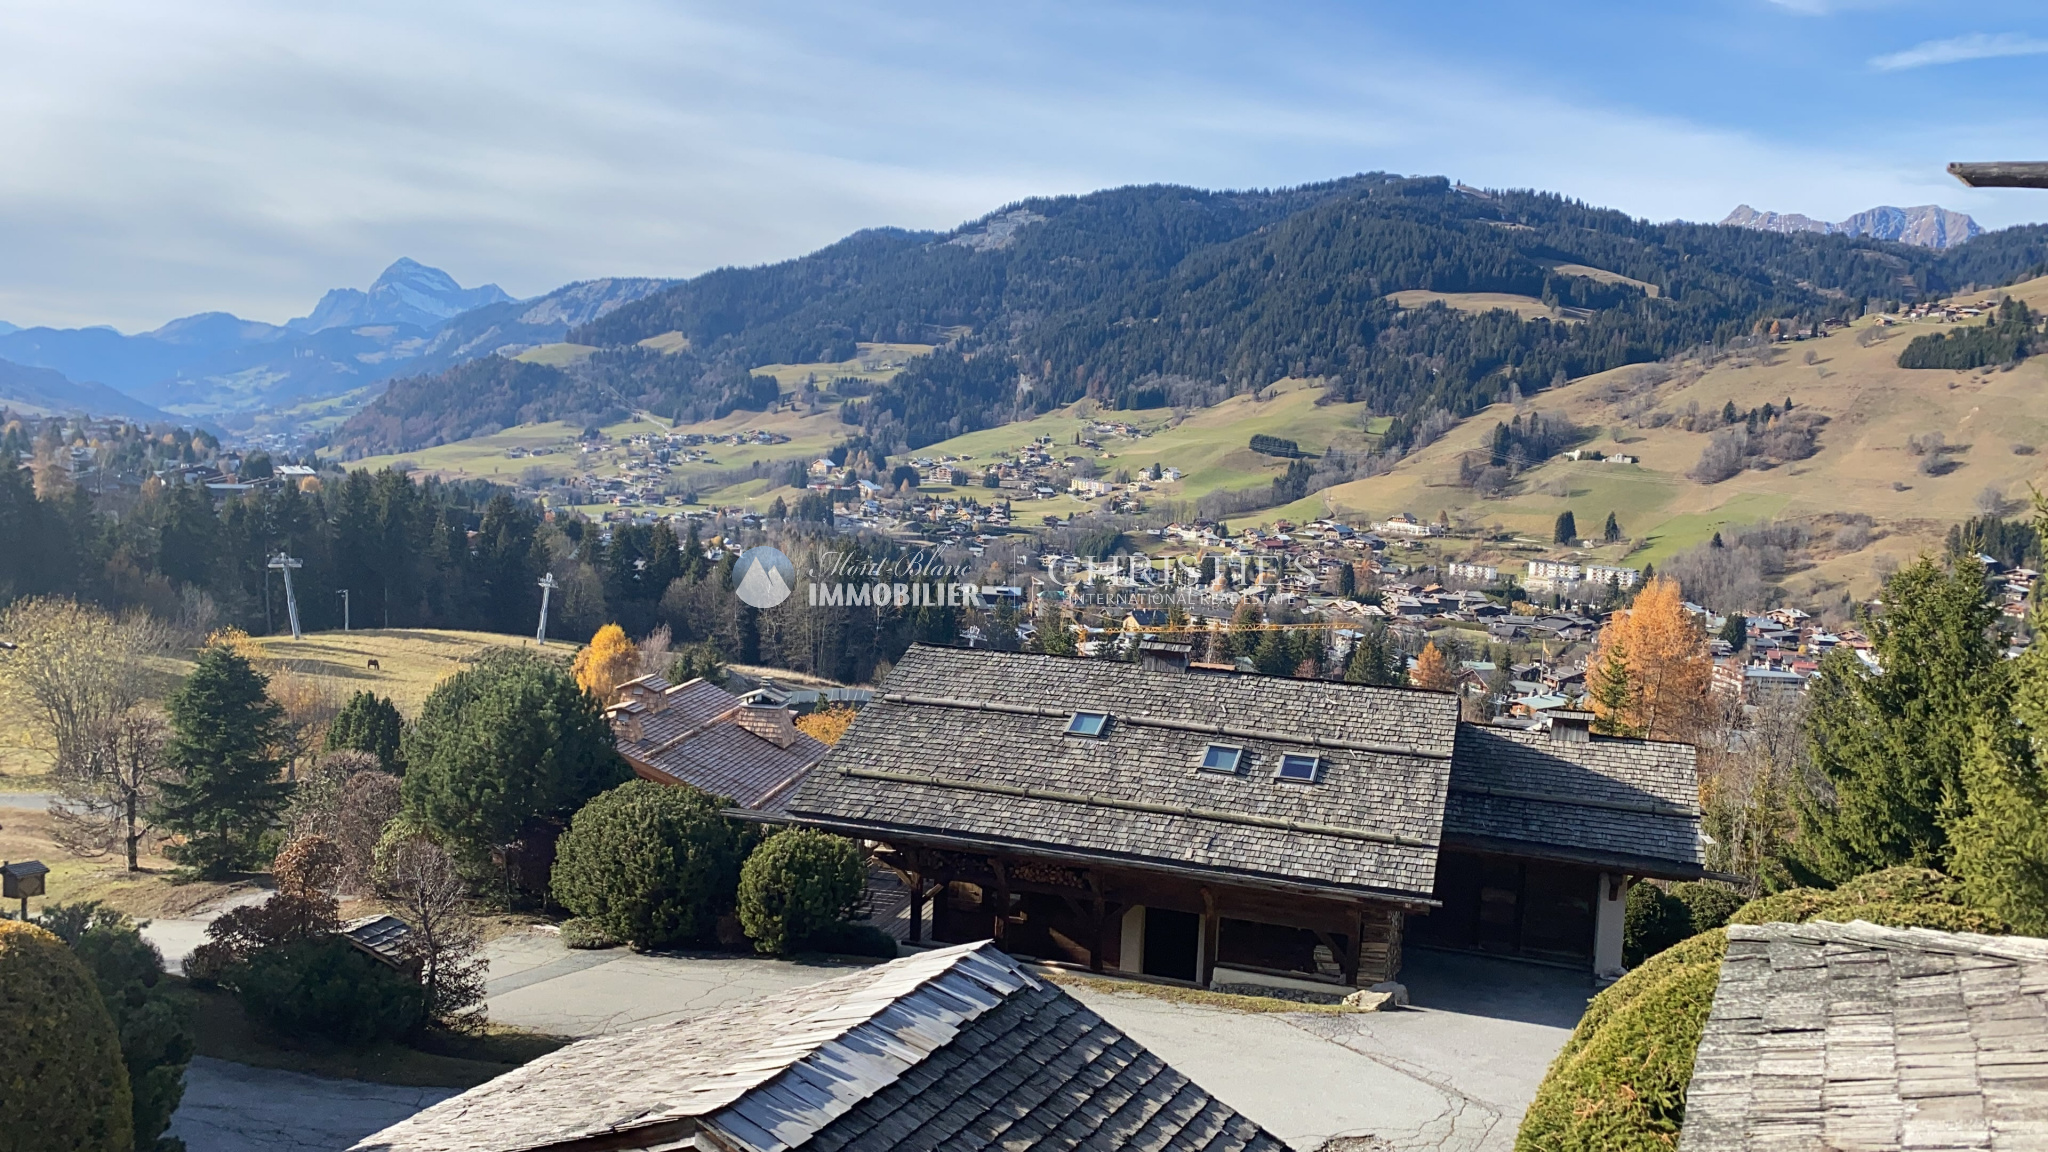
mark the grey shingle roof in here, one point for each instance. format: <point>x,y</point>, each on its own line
<point>969,744</point>
<point>1827,1036</point>
<point>687,733</point>
<point>1631,802</point>
<point>958,1048</point>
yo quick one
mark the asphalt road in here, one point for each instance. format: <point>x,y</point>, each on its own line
<point>235,1108</point>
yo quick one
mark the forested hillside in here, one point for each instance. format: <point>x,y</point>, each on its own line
<point>1143,296</point>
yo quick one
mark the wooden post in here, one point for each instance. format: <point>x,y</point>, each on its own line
<point>1349,960</point>
<point>916,907</point>
<point>1002,899</point>
<point>1212,935</point>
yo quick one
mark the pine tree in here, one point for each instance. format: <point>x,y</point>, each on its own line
<point>226,792</point>
<point>1373,660</point>
<point>1347,580</point>
<point>1612,695</point>
<point>1567,529</point>
<point>1891,745</point>
<point>369,723</point>
<point>1055,637</point>
<point>1736,632</point>
<point>1611,532</point>
<point>2001,842</point>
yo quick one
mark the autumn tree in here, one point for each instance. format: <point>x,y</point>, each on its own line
<point>609,660</point>
<point>1655,652</point>
<point>74,670</point>
<point>110,786</point>
<point>827,726</point>
<point>1433,670</point>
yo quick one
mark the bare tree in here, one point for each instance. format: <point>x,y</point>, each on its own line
<point>1990,502</point>
<point>1748,768</point>
<point>347,799</point>
<point>109,785</point>
<point>444,944</point>
<point>309,707</point>
<point>74,669</point>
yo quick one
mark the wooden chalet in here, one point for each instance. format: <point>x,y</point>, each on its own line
<point>699,734</point>
<point>1233,828</point>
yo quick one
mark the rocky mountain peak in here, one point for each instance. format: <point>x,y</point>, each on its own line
<point>1928,225</point>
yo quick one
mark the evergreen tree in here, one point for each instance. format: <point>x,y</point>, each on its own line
<point>370,723</point>
<point>1567,529</point>
<point>1612,694</point>
<point>1374,659</point>
<point>225,792</point>
<point>1611,531</point>
<point>1347,580</point>
<point>1736,632</point>
<point>2001,841</point>
<point>509,742</point>
<point>1891,745</point>
<point>1054,636</point>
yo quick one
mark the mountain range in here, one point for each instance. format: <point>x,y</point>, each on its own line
<point>1928,226</point>
<point>1423,299</point>
<point>220,368</point>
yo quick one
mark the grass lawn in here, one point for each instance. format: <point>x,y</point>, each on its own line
<point>1525,307</point>
<point>557,355</point>
<point>438,1058</point>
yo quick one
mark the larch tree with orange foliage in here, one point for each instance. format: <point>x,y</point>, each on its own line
<point>1650,674</point>
<point>609,660</point>
<point>1432,670</point>
<point>827,726</point>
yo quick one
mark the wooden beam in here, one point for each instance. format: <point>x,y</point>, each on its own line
<point>2002,174</point>
<point>1212,935</point>
<point>916,906</point>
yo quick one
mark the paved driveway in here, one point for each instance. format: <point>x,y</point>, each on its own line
<point>234,1108</point>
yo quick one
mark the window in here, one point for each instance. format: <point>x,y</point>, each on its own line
<point>1222,758</point>
<point>1087,723</point>
<point>1301,769</point>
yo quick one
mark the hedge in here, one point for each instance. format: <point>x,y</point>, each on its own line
<point>1620,1081</point>
<point>650,864</point>
<point>329,987</point>
<point>62,1081</point>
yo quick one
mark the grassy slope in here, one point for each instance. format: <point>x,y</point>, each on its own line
<point>1525,307</point>
<point>1873,406</point>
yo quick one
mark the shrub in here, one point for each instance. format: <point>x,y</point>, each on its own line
<point>61,1074</point>
<point>1707,905</point>
<point>1620,1081</point>
<point>855,940</point>
<point>507,743</point>
<point>581,932</point>
<point>330,988</point>
<point>650,864</point>
<point>1653,921</point>
<point>370,723</point>
<point>798,885</point>
<point>153,1026</point>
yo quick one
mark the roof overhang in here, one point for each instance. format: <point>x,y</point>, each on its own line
<point>992,845</point>
<point>1566,854</point>
<point>2002,174</point>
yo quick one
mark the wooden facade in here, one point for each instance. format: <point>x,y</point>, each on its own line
<point>1176,926</point>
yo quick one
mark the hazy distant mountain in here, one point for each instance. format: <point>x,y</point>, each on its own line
<point>407,293</point>
<point>1929,225</point>
<point>5,328</point>
<point>413,319</point>
<point>48,391</point>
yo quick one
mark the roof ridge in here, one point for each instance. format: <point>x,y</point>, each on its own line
<point>866,1039</point>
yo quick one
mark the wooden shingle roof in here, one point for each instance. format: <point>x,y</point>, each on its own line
<point>958,1047</point>
<point>690,733</point>
<point>1838,1036</point>
<point>1630,804</point>
<point>969,746</point>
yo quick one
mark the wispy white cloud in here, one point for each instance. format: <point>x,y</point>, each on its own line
<point>1830,7</point>
<point>1956,49</point>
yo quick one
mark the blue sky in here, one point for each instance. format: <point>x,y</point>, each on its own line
<point>167,159</point>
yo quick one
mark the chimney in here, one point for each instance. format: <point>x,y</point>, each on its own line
<point>770,722</point>
<point>1158,657</point>
<point>1569,727</point>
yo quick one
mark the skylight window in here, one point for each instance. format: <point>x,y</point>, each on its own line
<point>1088,724</point>
<point>1222,758</point>
<point>1300,769</point>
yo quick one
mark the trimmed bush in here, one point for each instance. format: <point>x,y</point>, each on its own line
<point>797,886</point>
<point>61,1075</point>
<point>650,864</point>
<point>154,1027</point>
<point>329,987</point>
<point>1652,921</point>
<point>1619,1084</point>
<point>1707,905</point>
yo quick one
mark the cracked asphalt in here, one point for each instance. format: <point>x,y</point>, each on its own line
<point>235,1108</point>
